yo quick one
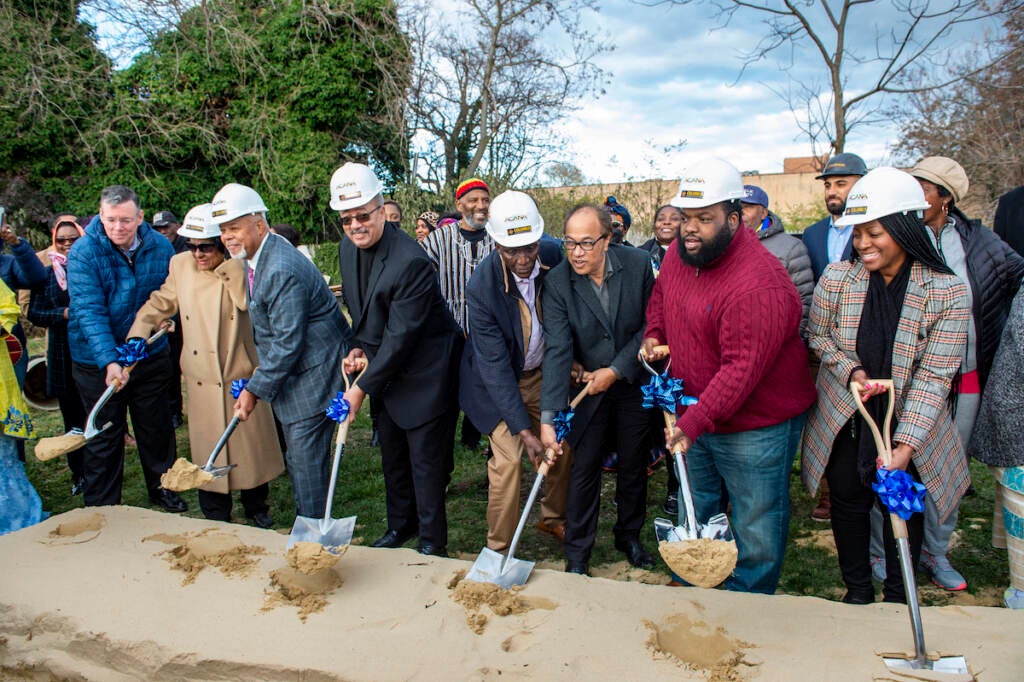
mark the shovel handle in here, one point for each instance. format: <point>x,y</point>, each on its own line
<point>882,444</point>
<point>365,366</point>
<point>580,396</point>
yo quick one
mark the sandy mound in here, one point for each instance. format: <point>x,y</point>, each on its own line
<point>184,475</point>
<point>309,592</point>
<point>55,446</point>
<point>193,552</point>
<point>696,645</point>
<point>473,596</point>
<point>312,557</point>
<point>79,526</point>
<point>396,618</point>
<point>702,562</point>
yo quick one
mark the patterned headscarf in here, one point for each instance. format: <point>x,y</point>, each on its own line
<point>430,218</point>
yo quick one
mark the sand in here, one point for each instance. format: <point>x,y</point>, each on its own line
<point>312,557</point>
<point>55,446</point>
<point>191,553</point>
<point>114,608</point>
<point>184,475</point>
<point>702,562</point>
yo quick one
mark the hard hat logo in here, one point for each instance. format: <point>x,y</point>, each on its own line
<point>525,229</point>
<point>347,197</point>
<point>856,210</point>
<point>857,197</point>
<point>516,219</point>
<point>691,194</point>
<point>219,212</point>
<point>696,181</point>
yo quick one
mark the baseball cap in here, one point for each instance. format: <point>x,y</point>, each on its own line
<point>163,218</point>
<point>754,195</point>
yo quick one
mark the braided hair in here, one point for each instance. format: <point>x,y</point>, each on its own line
<point>910,232</point>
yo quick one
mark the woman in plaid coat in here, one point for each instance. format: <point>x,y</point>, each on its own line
<point>895,310</point>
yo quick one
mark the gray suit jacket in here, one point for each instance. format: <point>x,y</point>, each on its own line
<point>300,333</point>
<point>576,326</point>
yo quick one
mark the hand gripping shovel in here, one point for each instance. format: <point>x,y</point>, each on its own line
<point>507,571</point>
<point>55,446</point>
<point>333,534</point>
<point>701,554</point>
<point>921,660</point>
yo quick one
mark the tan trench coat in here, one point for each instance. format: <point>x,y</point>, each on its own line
<point>218,348</point>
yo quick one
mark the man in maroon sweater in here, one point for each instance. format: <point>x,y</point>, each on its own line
<point>731,317</point>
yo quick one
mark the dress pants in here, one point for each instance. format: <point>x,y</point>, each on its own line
<point>620,422</point>
<point>74,416</point>
<point>310,446</point>
<point>852,502</point>
<point>504,472</point>
<point>145,396</point>
<point>217,506</point>
<point>417,466</point>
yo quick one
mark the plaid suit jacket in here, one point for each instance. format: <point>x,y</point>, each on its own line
<point>926,355</point>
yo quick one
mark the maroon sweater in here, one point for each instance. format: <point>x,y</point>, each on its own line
<point>733,329</point>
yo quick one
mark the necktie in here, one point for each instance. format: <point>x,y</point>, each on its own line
<point>252,276</point>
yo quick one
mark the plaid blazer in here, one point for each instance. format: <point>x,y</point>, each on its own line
<point>926,355</point>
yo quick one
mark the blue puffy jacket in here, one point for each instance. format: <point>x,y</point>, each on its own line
<point>107,289</point>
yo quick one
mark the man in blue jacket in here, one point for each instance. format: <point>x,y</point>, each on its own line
<point>499,384</point>
<point>825,242</point>
<point>112,270</point>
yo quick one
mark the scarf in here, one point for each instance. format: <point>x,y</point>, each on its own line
<point>876,335</point>
<point>60,263</point>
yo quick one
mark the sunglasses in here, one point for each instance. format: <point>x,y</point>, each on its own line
<point>361,218</point>
<point>201,248</point>
<point>66,240</point>
<point>616,223</point>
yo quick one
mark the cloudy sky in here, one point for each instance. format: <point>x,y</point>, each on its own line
<point>675,77</point>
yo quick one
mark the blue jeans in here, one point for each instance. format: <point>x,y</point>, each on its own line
<point>754,467</point>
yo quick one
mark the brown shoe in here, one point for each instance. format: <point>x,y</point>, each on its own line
<point>823,512</point>
<point>557,532</point>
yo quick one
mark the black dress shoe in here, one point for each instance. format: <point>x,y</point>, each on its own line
<point>262,519</point>
<point>169,500</point>
<point>578,567</point>
<point>635,553</point>
<point>78,485</point>
<point>859,597</point>
<point>430,549</point>
<point>375,439</point>
<point>176,421</point>
<point>392,538</point>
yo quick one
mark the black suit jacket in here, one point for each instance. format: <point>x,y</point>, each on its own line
<point>576,326</point>
<point>816,240</point>
<point>403,325</point>
<point>495,351</point>
<point>1009,220</point>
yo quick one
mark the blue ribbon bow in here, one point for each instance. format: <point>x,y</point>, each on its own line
<point>339,408</point>
<point>131,351</point>
<point>237,386</point>
<point>665,393</point>
<point>563,423</point>
<point>900,493</point>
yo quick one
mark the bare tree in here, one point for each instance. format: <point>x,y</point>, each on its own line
<point>490,80</point>
<point>867,47</point>
<point>977,120</point>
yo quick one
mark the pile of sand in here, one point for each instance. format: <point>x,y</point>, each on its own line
<point>703,562</point>
<point>312,557</point>
<point>211,547</point>
<point>184,475</point>
<point>111,609</point>
<point>55,446</point>
<point>474,596</point>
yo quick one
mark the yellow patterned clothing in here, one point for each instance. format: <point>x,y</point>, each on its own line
<point>16,420</point>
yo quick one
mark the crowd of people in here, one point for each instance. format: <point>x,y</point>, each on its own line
<point>486,314</point>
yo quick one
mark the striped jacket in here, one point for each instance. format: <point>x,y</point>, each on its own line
<point>926,355</point>
<point>453,257</point>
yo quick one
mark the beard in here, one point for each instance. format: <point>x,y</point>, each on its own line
<point>709,251</point>
<point>241,255</point>
<point>838,210</point>
<point>473,223</point>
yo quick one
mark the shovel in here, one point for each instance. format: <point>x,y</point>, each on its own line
<point>55,446</point>
<point>333,534</point>
<point>507,571</point>
<point>921,660</point>
<point>682,545</point>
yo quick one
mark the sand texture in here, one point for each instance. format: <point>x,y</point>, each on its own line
<point>208,548</point>
<point>702,562</point>
<point>184,475</point>
<point>112,609</point>
<point>55,446</point>
<point>312,557</point>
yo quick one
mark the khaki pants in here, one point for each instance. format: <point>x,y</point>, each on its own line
<point>504,470</point>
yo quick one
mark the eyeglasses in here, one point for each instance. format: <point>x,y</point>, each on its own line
<point>201,248</point>
<point>360,218</point>
<point>66,240</point>
<point>586,244</point>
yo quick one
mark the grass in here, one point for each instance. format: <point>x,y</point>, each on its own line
<point>810,566</point>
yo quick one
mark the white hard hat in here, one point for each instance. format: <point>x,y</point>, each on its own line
<point>514,220</point>
<point>883,191</point>
<point>197,224</point>
<point>233,201</point>
<point>707,182</point>
<point>353,185</point>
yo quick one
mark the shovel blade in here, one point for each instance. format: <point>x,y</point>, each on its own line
<point>220,472</point>
<point>487,569</point>
<point>332,534</point>
<point>91,431</point>
<point>945,664</point>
